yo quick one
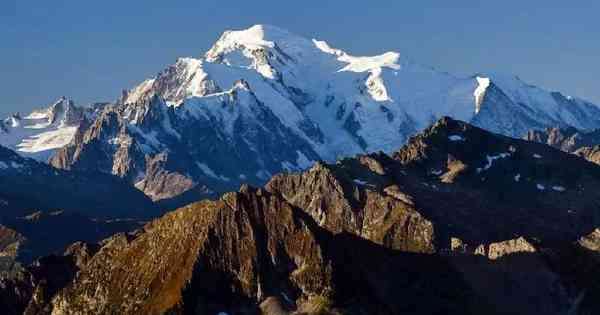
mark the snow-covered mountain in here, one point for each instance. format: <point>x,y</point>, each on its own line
<point>299,79</point>
<point>262,100</point>
<point>41,132</point>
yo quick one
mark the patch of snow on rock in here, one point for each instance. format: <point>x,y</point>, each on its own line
<point>558,188</point>
<point>540,187</point>
<point>436,172</point>
<point>362,183</point>
<point>456,138</point>
<point>491,159</point>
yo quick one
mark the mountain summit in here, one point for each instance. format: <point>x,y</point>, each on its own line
<point>263,100</point>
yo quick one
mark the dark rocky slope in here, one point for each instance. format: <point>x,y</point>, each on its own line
<point>41,234</point>
<point>27,186</point>
<point>43,209</point>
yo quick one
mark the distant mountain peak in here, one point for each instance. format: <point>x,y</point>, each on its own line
<point>256,35</point>
<point>253,38</point>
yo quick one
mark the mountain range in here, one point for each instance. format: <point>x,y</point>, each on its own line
<point>263,100</point>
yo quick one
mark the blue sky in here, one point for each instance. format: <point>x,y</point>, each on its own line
<point>91,50</point>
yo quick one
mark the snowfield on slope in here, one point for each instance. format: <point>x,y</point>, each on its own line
<point>41,132</point>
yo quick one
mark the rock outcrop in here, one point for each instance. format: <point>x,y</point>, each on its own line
<point>591,154</point>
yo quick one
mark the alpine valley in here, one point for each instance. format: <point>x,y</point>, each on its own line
<point>278,175</point>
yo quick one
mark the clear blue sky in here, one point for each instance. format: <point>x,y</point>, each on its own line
<point>90,50</point>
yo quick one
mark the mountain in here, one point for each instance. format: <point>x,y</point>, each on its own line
<point>28,186</point>
<point>41,132</point>
<point>263,100</point>
<point>458,221</point>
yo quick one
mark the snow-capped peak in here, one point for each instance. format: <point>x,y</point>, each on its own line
<point>254,38</point>
<point>350,98</point>
<point>61,112</point>
<point>257,48</point>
